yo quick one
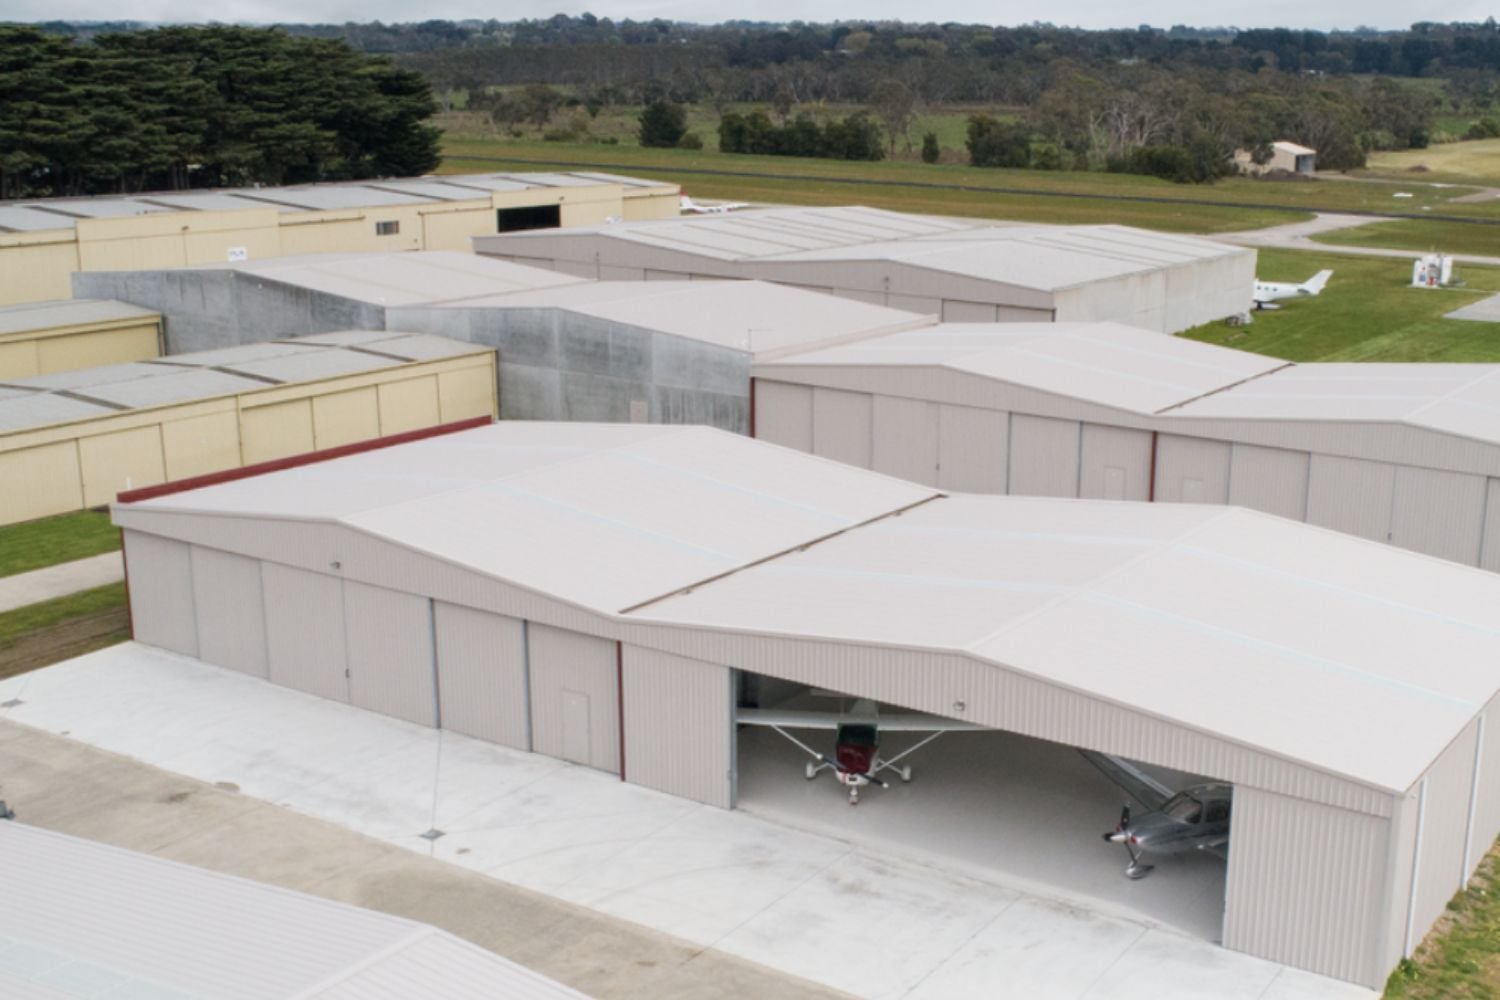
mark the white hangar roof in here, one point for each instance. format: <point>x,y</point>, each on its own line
<point>57,313</point>
<point>82,919</point>
<point>1106,363</point>
<point>764,319</point>
<point>84,393</point>
<point>1289,640</point>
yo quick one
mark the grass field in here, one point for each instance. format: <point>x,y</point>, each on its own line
<point>1476,161</point>
<point>1367,313</point>
<point>1420,235</point>
<point>54,540</point>
<point>1460,960</point>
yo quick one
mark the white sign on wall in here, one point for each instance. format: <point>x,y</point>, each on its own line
<point>238,254</point>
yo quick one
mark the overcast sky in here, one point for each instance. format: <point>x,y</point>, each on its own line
<point>1083,13</point>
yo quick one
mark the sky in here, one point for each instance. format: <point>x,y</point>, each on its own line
<point>1325,14</point>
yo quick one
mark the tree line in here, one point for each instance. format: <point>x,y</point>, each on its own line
<point>174,108</point>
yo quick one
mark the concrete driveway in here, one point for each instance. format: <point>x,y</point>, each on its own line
<point>874,923</point>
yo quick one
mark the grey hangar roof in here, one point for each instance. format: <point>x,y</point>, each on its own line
<point>1286,640</point>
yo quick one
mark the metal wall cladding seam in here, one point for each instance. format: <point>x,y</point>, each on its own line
<point>408,405</point>
<point>1401,852</point>
<point>1399,444</point>
<point>118,461</point>
<point>230,611</point>
<point>388,638</point>
<point>575,705</point>
<point>161,592</point>
<point>482,674</point>
<point>1191,470</point>
<point>1444,831</point>
<point>1306,886</point>
<point>344,417</point>
<point>992,696</point>
<point>1273,480</point>
<point>972,449</point>
<point>906,439</point>
<point>1351,495</point>
<point>679,728</point>
<point>305,631</point>
<point>841,426</point>
<point>1043,456</point>
<point>1487,806</point>
<point>1489,557</point>
<point>784,414</point>
<point>1115,463</point>
<point>277,430</point>
<point>1439,513</point>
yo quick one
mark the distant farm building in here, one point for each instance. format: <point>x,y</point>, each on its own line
<point>1285,156</point>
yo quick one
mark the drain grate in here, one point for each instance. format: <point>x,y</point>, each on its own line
<point>432,834</point>
<point>12,703</point>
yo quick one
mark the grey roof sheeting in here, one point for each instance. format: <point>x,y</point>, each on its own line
<point>85,393</point>
<point>86,919</point>
<point>35,215</point>
<point>37,316</point>
<point>1291,641</point>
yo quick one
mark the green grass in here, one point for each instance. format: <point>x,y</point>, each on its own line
<point>35,617</point>
<point>467,147</point>
<point>1367,313</point>
<point>1460,960</point>
<point>1473,161</point>
<point>1419,235</point>
<point>54,540</point>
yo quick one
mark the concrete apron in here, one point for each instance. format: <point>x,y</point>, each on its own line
<point>873,924</point>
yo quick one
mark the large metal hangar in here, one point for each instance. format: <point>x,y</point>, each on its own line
<point>599,593</point>
<point>89,920</point>
<point>43,242</point>
<point>45,337</point>
<point>570,348</point>
<point>78,438</point>
<point>1401,453</point>
<point>966,270</point>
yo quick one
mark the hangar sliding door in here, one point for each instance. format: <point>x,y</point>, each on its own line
<point>575,705</point>
<point>230,611</point>
<point>305,631</point>
<point>481,660</point>
<point>679,725</point>
<point>388,637</point>
<point>161,593</point>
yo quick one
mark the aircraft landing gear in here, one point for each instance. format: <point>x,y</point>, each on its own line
<point>812,771</point>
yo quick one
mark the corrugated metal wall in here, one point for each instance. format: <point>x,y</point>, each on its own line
<point>1351,495</point>
<point>1306,885</point>
<point>229,610</point>
<point>1273,480</point>
<point>575,704</point>
<point>1489,558</point>
<point>906,439</point>
<point>1486,824</point>
<point>305,631</point>
<point>388,638</point>
<point>1191,470</point>
<point>1440,513</point>
<point>679,725</point>
<point>841,426</point>
<point>972,453</point>
<point>161,592</point>
<point>1043,456</point>
<point>1115,463</point>
<point>482,675</point>
<point>1443,832</point>
<point>784,414</point>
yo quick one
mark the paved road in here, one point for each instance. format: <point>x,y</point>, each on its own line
<point>1297,236</point>
<point>59,581</point>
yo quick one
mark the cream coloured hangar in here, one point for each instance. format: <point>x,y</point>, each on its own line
<point>594,592</point>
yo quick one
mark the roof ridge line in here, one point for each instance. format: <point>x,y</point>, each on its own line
<point>1225,388</point>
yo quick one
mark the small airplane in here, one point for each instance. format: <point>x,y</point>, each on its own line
<point>1176,822</point>
<point>721,208</point>
<point>1268,292</point>
<point>856,759</point>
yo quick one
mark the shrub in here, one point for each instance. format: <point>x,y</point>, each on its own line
<point>994,143</point>
<point>662,124</point>
<point>690,140</point>
<point>930,148</point>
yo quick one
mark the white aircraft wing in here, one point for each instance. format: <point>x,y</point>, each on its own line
<point>806,719</point>
<point>1142,787</point>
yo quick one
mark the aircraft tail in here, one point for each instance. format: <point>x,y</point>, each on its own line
<point>1314,285</point>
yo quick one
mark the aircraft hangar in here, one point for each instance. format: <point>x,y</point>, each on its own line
<point>965,270</point>
<point>1402,453</point>
<point>593,592</point>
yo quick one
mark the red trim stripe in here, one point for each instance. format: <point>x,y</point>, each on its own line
<point>294,461</point>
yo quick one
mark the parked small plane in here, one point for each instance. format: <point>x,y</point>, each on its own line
<point>1267,293</point>
<point>722,208</point>
<point>1176,822</point>
<point>856,759</point>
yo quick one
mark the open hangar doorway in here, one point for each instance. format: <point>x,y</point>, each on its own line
<point>1023,811</point>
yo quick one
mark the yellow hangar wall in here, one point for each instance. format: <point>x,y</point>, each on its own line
<point>85,463</point>
<point>37,266</point>
<point>82,345</point>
